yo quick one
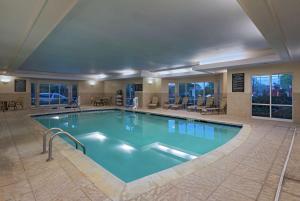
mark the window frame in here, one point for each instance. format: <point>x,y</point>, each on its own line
<point>270,104</point>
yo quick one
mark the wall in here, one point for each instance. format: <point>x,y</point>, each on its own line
<point>87,92</point>
<point>111,87</point>
<point>239,103</point>
<point>151,87</point>
<point>7,92</point>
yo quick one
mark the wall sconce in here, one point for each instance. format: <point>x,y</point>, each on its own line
<point>5,79</point>
<point>92,82</point>
<point>150,81</point>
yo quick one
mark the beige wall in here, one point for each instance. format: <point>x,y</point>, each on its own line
<point>7,92</point>
<point>88,92</point>
<point>151,87</point>
<point>239,103</point>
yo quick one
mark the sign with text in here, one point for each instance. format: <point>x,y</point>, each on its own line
<point>238,82</point>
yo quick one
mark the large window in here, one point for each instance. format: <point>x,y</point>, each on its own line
<point>53,94</point>
<point>172,94</point>
<point>182,90</point>
<point>272,96</point>
<point>196,89</point>
<point>74,93</point>
<point>33,94</point>
<point>130,93</point>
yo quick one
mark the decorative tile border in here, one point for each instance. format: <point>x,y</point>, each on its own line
<point>116,189</point>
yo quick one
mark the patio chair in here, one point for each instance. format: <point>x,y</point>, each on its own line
<point>208,103</point>
<point>19,103</point>
<point>221,108</point>
<point>12,105</point>
<point>154,102</point>
<point>98,101</point>
<point>2,106</point>
<point>200,103</point>
<point>180,105</point>
<point>168,104</point>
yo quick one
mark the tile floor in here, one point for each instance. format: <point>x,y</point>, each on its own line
<point>250,172</point>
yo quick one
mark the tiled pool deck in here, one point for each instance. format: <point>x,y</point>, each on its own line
<point>248,171</point>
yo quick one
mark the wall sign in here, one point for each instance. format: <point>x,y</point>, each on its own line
<point>20,85</point>
<point>238,82</point>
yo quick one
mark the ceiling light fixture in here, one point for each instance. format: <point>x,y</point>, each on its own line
<point>5,79</point>
<point>92,82</point>
<point>150,80</point>
<point>127,72</point>
<point>101,76</point>
<point>175,71</point>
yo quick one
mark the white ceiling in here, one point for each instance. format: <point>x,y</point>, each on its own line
<point>16,19</point>
<point>102,36</point>
<point>83,37</point>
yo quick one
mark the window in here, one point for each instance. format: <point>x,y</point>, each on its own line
<point>209,89</point>
<point>33,94</point>
<point>182,90</point>
<point>53,94</point>
<point>44,94</point>
<point>130,93</point>
<point>194,90</point>
<point>74,92</point>
<point>272,96</point>
<point>63,94</point>
<point>199,89</point>
<point>171,92</point>
<point>191,93</point>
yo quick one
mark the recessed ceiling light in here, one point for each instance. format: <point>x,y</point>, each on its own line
<point>127,72</point>
<point>5,79</point>
<point>101,76</point>
<point>175,71</point>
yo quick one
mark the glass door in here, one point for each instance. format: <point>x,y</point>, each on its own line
<point>191,93</point>
<point>172,93</point>
<point>272,96</point>
<point>130,93</point>
<point>281,96</point>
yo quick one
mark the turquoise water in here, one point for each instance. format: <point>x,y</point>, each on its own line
<point>133,145</point>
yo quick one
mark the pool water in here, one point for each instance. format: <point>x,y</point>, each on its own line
<point>133,145</point>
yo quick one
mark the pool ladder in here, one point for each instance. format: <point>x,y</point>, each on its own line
<point>58,132</point>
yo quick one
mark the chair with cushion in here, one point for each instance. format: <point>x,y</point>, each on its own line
<point>154,102</point>
<point>180,105</point>
<point>199,105</point>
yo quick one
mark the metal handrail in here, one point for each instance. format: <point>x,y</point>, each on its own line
<point>70,137</point>
<point>45,137</point>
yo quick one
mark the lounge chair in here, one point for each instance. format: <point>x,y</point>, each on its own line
<point>208,104</point>
<point>168,105</point>
<point>199,105</point>
<point>19,103</point>
<point>12,105</point>
<point>2,106</point>
<point>154,102</point>
<point>220,109</point>
<point>180,105</point>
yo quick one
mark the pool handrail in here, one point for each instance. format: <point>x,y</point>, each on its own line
<point>49,131</point>
<point>70,137</point>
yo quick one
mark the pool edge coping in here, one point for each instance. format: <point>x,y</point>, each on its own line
<point>115,188</point>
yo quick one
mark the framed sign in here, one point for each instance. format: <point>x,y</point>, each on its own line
<point>20,85</point>
<point>238,82</point>
<point>138,87</point>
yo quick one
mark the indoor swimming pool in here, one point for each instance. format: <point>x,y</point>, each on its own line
<point>132,145</point>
